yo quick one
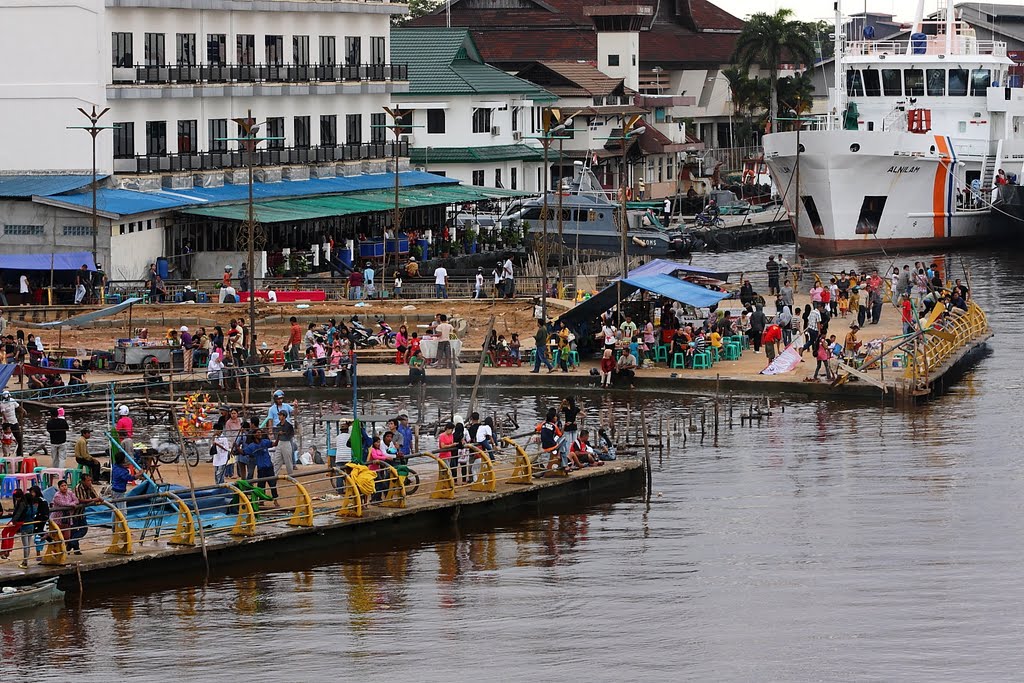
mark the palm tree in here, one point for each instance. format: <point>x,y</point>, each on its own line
<point>768,39</point>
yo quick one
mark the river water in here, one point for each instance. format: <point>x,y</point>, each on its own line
<point>833,542</point>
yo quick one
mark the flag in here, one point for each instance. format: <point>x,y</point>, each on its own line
<point>787,360</point>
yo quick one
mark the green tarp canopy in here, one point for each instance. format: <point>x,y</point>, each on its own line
<point>290,210</point>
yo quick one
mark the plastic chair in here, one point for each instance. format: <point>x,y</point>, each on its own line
<point>661,353</point>
<point>732,351</point>
<point>678,360</point>
<point>278,358</point>
<point>716,354</point>
<point>49,475</point>
<point>73,476</point>
<point>17,481</point>
<point>702,361</point>
<point>574,358</point>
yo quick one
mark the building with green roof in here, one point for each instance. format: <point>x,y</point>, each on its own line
<point>467,119</point>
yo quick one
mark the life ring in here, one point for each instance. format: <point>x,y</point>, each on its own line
<point>629,194</point>
<point>748,176</point>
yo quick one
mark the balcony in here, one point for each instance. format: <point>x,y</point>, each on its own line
<point>221,74</point>
<point>213,161</point>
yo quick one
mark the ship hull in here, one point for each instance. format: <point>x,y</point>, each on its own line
<point>862,192</point>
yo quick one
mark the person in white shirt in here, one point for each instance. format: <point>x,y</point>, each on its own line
<point>398,284</point>
<point>478,290</point>
<point>498,270</point>
<point>79,294</point>
<point>608,332</point>
<point>23,289</point>
<point>271,296</point>
<point>508,278</point>
<point>368,274</point>
<point>441,282</point>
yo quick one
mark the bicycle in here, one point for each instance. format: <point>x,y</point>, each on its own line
<point>171,456</point>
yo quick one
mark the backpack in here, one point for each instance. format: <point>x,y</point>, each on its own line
<point>825,317</point>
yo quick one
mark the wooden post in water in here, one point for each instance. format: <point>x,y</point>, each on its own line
<point>647,451</point>
<point>718,381</point>
<point>480,367</point>
<point>191,488</point>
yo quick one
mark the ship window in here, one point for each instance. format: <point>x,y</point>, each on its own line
<point>981,79</point>
<point>891,83</point>
<point>936,82</point>
<point>913,82</point>
<point>870,215</point>
<point>871,86</point>
<point>958,82</point>
<point>854,83</point>
<point>812,215</point>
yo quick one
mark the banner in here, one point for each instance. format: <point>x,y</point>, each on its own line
<point>787,360</point>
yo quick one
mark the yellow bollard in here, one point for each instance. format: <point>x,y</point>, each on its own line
<point>185,530</point>
<point>444,489</point>
<point>394,497</point>
<point>303,515</point>
<point>487,481</point>
<point>121,538</point>
<point>352,499</point>
<point>245,525</point>
<point>55,552</point>
<point>522,472</point>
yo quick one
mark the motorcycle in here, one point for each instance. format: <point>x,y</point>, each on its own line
<point>386,336</point>
<point>707,220</point>
<point>361,337</point>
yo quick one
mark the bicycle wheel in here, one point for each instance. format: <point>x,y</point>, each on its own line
<point>412,482</point>
<point>168,457</point>
<point>191,454</point>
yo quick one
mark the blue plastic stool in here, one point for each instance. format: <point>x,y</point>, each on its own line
<point>701,361</point>
<point>678,360</point>
<point>732,351</point>
<point>661,353</point>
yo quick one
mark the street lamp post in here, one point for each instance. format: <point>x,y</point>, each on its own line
<point>551,125</point>
<point>732,105</point>
<point>94,130</point>
<point>397,127</point>
<point>630,132</point>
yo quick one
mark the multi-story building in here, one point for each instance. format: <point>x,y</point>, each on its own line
<point>467,120</point>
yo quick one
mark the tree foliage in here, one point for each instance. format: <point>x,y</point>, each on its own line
<point>417,8</point>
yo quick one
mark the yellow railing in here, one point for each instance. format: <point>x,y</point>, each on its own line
<point>940,346</point>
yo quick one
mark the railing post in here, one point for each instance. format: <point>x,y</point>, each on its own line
<point>444,489</point>
<point>487,482</point>
<point>55,553</point>
<point>522,473</point>
<point>245,524</point>
<point>303,515</point>
<point>394,497</point>
<point>352,499</point>
<point>185,530</point>
<point>121,537</point>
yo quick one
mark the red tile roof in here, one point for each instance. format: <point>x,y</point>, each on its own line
<point>559,30</point>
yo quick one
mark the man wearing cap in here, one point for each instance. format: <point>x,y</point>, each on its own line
<point>83,457</point>
<point>57,427</point>
<point>10,410</point>
<point>508,278</point>
<point>186,348</point>
<point>368,275</point>
<point>478,290</point>
<point>278,406</point>
<point>407,436</point>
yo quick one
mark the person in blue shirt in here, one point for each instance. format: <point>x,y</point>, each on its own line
<point>368,275</point>
<point>258,450</point>
<point>278,406</point>
<point>119,478</point>
<point>406,431</point>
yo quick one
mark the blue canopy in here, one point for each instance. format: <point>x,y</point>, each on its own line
<point>668,267</point>
<point>665,285</point>
<point>6,372</point>
<point>67,260</point>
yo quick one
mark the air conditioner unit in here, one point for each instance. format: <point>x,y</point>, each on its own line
<point>517,135</point>
<point>495,130</point>
<point>408,138</point>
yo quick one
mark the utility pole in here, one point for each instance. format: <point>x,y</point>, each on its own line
<point>397,127</point>
<point>94,130</point>
<point>630,131</point>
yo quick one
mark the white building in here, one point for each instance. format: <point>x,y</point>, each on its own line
<point>174,74</point>
<point>466,119</point>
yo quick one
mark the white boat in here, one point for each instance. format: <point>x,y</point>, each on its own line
<point>909,152</point>
<point>33,595</point>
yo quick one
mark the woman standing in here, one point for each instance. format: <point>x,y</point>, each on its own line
<point>401,345</point>
<point>571,414</point>
<point>12,528</point>
<point>63,511</point>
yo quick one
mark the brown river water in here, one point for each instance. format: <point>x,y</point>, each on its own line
<point>832,542</point>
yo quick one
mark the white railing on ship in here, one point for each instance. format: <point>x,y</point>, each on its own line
<point>962,45</point>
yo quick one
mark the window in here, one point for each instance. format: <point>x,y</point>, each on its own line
<point>122,49</point>
<point>300,50</point>
<point>378,50</point>
<point>154,49</point>
<point>378,133</point>
<point>218,135</point>
<point>516,111</point>
<point>512,172</point>
<point>435,121</point>
<point>156,138</point>
<point>328,130</point>
<point>478,178</point>
<point>245,48</point>
<point>124,140</point>
<point>957,82</point>
<point>216,49</point>
<point>936,80</point>
<point>353,129</point>
<point>78,231</point>
<point>913,82</point>
<point>353,50</point>
<point>497,178</point>
<point>892,84</point>
<point>812,215</point>
<point>274,50</point>
<point>188,137</point>
<point>613,60</point>
<point>301,126</point>
<point>669,169</point>
<point>981,79</point>
<point>482,120</point>
<point>870,214</point>
<point>23,230</point>
<point>275,129</point>
<point>186,50</point>
<point>854,83</point>
<point>872,87</point>
<point>328,55</point>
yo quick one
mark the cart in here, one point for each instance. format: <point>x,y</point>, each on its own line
<point>142,358</point>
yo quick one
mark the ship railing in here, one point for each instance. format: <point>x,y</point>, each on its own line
<point>957,331</point>
<point>266,506</point>
<point>933,45</point>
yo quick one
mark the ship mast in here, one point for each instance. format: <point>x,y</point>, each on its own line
<point>837,63</point>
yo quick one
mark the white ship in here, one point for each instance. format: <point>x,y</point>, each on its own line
<point>907,157</point>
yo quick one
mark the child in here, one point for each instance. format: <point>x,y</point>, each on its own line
<point>8,444</point>
<point>607,367</point>
<point>398,285</point>
<point>513,348</point>
<point>844,304</point>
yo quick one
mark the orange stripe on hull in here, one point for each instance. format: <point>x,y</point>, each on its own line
<point>939,189</point>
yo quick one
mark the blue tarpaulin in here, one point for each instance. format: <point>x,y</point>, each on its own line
<point>6,372</point>
<point>665,285</point>
<point>67,260</point>
<point>85,318</point>
<point>668,267</point>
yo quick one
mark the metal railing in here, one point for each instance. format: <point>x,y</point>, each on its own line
<point>958,330</point>
<point>962,45</point>
<point>208,161</point>
<point>219,74</point>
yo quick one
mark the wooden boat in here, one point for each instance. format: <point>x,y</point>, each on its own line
<point>34,595</point>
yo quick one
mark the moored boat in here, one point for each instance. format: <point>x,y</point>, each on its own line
<point>34,595</point>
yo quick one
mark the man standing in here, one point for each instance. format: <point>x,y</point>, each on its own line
<point>441,282</point>
<point>498,270</point>
<point>667,212</point>
<point>243,279</point>
<point>57,427</point>
<point>294,342</point>
<point>478,290</point>
<point>186,349</point>
<point>23,289</point>
<point>786,292</point>
<point>773,275</point>
<point>508,278</point>
<point>355,285</point>
<point>444,331</point>
<point>9,411</point>
<point>907,314</point>
<point>541,354</point>
<point>407,436</point>
<point>368,280</point>
<point>903,283</point>
<point>628,328</point>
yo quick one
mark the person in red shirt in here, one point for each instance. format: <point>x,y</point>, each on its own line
<point>907,315</point>
<point>294,343</point>
<point>607,368</point>
<point>770,338</point>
